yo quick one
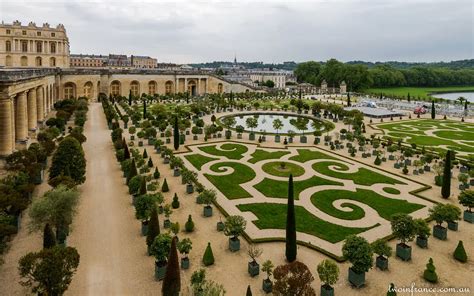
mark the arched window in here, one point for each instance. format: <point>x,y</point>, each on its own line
<point>24,61</point>
<point>53,47</point>
<point>52,62</point>
<point>39,46</point>
<point>115,88</point>
<point>88,90</point>
<point>69,90</point>
<point>8,61</point>
<point>24,46</point>
<point>135,88</point>
<point>8,46</point>
<point>169,87</point>
<point>152,88</point>
<point>38,62</point>
<point>220,88</point>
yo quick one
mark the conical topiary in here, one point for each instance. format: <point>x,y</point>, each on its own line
<point>156,174</point>
<point>446,186</point>
<point>153,227</point>
<point>377,161</point>
<point>142,187</point>
<point>132,172</point>
<point>145,155</point>
<point>249,291</point>
<point>126,152</point>
<point>165,188</point>
<point>49,238</point>
<point>460,253</point>
<point>175,202</point>
<point>189,225</point>
<point>208,258</point>
<point>290,251</point>
<point>430,272</point>
<point>150,163</point>
<point>172,281</point>
<point>391,290</point>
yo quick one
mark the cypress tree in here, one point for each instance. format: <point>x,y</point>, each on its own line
<point>172,281</point>
<point>142,187</point>
<point>156,174</point>
<point>130,98</point>
<point>249,291</point>
<point>290,251</point>
<point>164,187</point>
<point>145,154</point>
<point>132,172</point>
<point>176,134</point>
<point>460,253</point>
<point>49,239</point>
<point>153,227</point>
<point>408,97</point>
<point>126,152</point>
<point>175,203</point>
<point>150,163</point>
<point>144,109</point>
<point>391,290</point>
<point>208,258</point>
<point>348,100</point>
<point>433,112</point>
<point>446,186</point>
<point>465,105</point>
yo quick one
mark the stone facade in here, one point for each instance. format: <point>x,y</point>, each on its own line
<point>142,62</point>
<point>33,46</point>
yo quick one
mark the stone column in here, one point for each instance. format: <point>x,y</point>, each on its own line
<point>40,104</point>
<point>6,128</point>
<point>32,110</point>
<point>198,91</point>
<point>185,84</point>
<point>21,119</point>
<point>12,117</point>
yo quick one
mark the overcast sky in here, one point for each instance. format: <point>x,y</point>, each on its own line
<point>269,31</point>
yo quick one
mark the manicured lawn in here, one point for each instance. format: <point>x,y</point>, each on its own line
<point>275,169</point>
<point>229,150</point>
<point>384,206</point>
<point>279,189</point>
<point>422,92</point>
<point>260,154</point>
<point>305,154</point>
<point>198,160</point>
<point>229,185</point>
<point>273,216</point>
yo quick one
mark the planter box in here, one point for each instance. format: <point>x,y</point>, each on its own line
<point>381,262</point>
<point>277,139</point>
<point>303,139</point>
<point>220,226</point>
<point>464,169</point>
<point>167,223</point>
<point>440,232</point>
<point>421,171</point>
<point>290,140</point>
<point>471,182</point>
<point>461,187</point>
<point>144,228</point>
<point>252,137</point>
<point>415,172</point>
<point>132,138</point>
<point>403,252</point>
<point>140,143</point>
<point>228,134</point>
<point>198,200</point>
<point>391,157</point>
<point>356,279</point>
<point>439,180</point>
<point>267,286</point>
<point>234,244</point>
<point>195,137</point>
<point>422,242</point>
<point>166,160</point>
<point>468,216</point>
<point>189,188</point>
<point>168,140</point>
<point>176,172</point>
<point>239,136</point>
<point>253,268</point>
<point>317,140</point>
<point>408,162</point>
<point>185,263</point>
<point>151,141</point>
<point>427,168</point>
<point>160,271</point>
<point>207,211</point>
<point>187,133</point>
<point>327,290</point>
<point>453,226</point>
<point>158,149</point>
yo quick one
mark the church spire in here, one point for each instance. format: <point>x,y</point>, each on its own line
<point>235,59</point>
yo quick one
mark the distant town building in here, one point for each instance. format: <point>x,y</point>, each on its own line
<point>118,61</point>
<point>33,46</point>
<point>87,61</point>
<point>143,62</point>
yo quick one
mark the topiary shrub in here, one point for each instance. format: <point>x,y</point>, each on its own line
<point>156,173</point>
<point>405,170</point>
<point>150,163</point>
<point>145,155</point>
<point>134,184</point>
<point>189,225</point>
<point>175,202</point>
<point>208,258</point>
<point>460,253</point>
<point>391,290</point>
<point>164,187</point>
<point>378,161</point>
<point>430,272</point>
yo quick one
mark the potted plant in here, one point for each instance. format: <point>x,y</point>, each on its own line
<point>453,214</point>
<point>403,228</point>
<point>167,211</point>
<point>160,249</point>
<point>189,177</point>
<point>422,231</point>
<point>184,247</point>
<point>220,225</point>
<point>228,122</point>
<point>207,197</point>
<point>251,123</point>
<point>253,267</point>
<point>239,129</point>
<point>277,125</point>
<point>466,198</point>
<point>233,227</point>
<point>144,205</point>
<point>463,179</point>
<point>189,225</point>
<point>328,274</point>
<point>267,283</point>
<point>291,135</point>
<point>438,213</point>
<point>358,251</point>
<point>383,250</point>
<point>168,134</point>
<point>132,130</point>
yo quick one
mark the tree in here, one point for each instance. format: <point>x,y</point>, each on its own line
<point>144,206</point>
<point>249,291</point>
<point>433,110</point>
<point>466,198</point>
<point>460,253</point>
<point>208,258</point>
<point>68,160</point>
<point>430,272</point>
<point>403,227</point>
<point>153,227</point>
<point>381,248</point>
<point>132,172</point>
<point>185,246</point>
<point>176,134</point>
<point>234,226</point>
<point>277,124</point>
<point>358,251</point>
<point>308,72</point>
<point>446,186</point>
<point>49,239</point>
<point>391,290</point>
<point>50,271</point>
<point>293,279</point>
<point>348,100</point>
<point>161,248</point>
<point>328,273</point>
<point>267,267</point>
<point>172,281</point>
<point>291,248</point>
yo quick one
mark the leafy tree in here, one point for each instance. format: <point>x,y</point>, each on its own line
<point>172,281</point>
<point>135,184</point>
<point>460,253</point>
<point>185,246</point>
<point>381,248</point>
<point>277,124</point>
<point>50,271</point>
<point>68,160</point>
<point>208,258</point>
<point>291,248</point>
<point>175,228</point>
<point>49,239</point>
<point>358,251</point>
<point>422,228</point>
<point>466,198</point>
<point>446,186</point>
<point>234,226</point>
<point>144,206</point>
<point>267,267</point>
<point>308,72</point>
<point>208,196</point>
<point>328,272</point>
<point>189,225</point>
<point>430,272</point>
<point>293,279</point>
<point>403,227</point>
<point>161,248</point>
<point>153,227</point>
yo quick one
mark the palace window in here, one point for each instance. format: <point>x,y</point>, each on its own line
<point>53,47</point>
<point>23,32</point>
<point>24,61</point>
<point>8,46</point>
<point>39,46</point>
<point>169,87</point>
<point>53,34</point>
<point>8,32</point>
<point>52,62</point>
<point>135,88</point>
<point>38,62</point>
<point>38,33</point>
<point>24,46</point>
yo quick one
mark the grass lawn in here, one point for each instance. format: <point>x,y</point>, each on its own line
<point>421,92</point>
<point>273,216</point>
<point>304,155</point>
<point>384,206</point>
<point>362,177</point>
<point>198,160</point>
<point>279,189</point>
<point>259,155</point>
<point>391,190</point>
<point>229,185</point>
<point>275,169</point>
<point>229,150</point>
